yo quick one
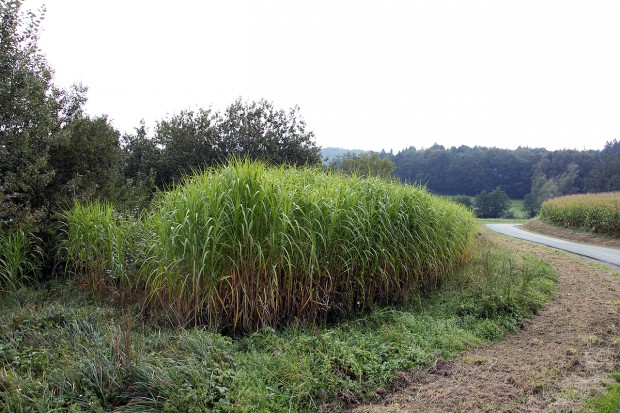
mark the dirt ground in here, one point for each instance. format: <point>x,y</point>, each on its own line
<point>554,364</point>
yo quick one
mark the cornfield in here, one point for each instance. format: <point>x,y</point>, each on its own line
<point>594,212</point>
<point>246,245</point>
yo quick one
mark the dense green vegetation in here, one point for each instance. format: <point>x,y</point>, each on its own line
<point>363,164</point>
<point>539,173</point>
<point>594,212</point>
<point>492,205</point>
<point>244,246</point>
<point>51,152</point>
<point>532,175</point>
<point>63,350</point>
<point>20,259</point>
<point>241,249</point>
<point>609,401</point>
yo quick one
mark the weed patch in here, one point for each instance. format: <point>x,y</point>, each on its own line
<point>62,351</point>
<point>609,401</point>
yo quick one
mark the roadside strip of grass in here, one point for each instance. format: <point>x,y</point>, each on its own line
<point>609,401</point>
<point>501,220</point>
<point>61,351</point>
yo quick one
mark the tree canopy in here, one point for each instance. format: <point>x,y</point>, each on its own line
<point>28,117</point>
<point>492,204</point>
<point>194,140</point>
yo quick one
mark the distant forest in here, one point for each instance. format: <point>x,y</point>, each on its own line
<point>533,174</point>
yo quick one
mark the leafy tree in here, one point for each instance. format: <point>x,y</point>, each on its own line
<point>492,204</point>
<point>191,141</point>
<point>611,148</point>
<point>140,158</point>
<point>28,117</point>
<point>605,177</point>
<point>365,164</point>
<point>188,141</point>
<point>259,131</point>
<point>85,156</point>
<point>140,154</point>
<point>544,188</point>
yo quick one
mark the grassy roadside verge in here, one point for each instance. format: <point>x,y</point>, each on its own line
<point>607,401</point>
<point>60,351</point>
<point>502,220</point>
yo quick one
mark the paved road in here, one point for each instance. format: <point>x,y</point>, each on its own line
<point>609,256</point>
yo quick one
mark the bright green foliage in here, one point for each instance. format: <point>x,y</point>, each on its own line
<point>609,401</point>
<point>100,245</point>
<point>595,212</point>
<point>60,351</point>
<point>20,259</point>
<point>246,245</point>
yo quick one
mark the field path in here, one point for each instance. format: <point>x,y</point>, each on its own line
<point>553,364</point>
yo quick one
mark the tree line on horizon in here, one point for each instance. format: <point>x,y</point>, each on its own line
<point>531,174</point>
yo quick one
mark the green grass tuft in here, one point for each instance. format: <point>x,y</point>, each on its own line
<point>609,401</point>
<point>20,260</point>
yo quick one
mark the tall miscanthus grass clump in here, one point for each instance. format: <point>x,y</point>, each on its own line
<point>596,212</point>
<point>245,245</point>
<point>20,259</point>
<point>100,245</point>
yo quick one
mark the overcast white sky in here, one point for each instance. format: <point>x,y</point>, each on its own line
<point>366,74</point>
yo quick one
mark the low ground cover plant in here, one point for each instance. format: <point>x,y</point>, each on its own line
<point>598,213</point>
<point>65,349</point>
<point>609,400</point>
<point>246,246</point>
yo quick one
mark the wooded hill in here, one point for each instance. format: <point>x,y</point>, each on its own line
<point>533,174</point>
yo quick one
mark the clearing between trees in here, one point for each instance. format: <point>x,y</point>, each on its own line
<point>555,363</point>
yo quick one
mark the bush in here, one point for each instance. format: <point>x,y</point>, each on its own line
<point>492,204</point>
